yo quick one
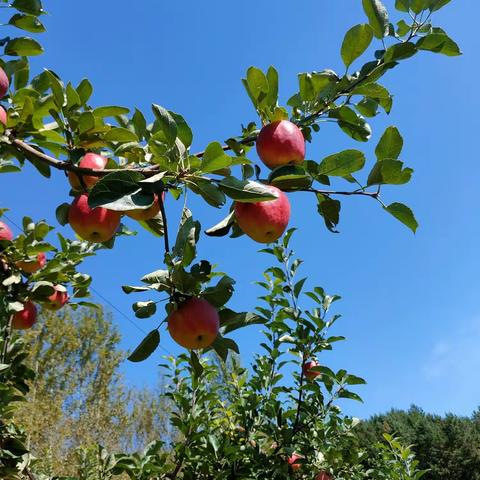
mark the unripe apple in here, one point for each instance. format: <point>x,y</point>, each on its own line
<point>57,299</point>
<point>5,232</point>
<point>3,116</point>
<point>93,224</point>
<point>266,221</point>
<point>4,83</point>
<point>293,461</point>
<point>146,213</point>
<point>32,266</point>
<point>281,143</point>
<point>323,476</point>
<point>25,318</point>
<point>195,324</point>
<point>90,160</point>
<point>308,372</point>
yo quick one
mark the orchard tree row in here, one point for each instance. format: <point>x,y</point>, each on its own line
<point>123,163</point>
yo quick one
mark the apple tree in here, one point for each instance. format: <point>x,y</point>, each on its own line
<point>124,164</point>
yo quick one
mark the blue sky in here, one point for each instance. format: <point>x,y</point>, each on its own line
<point>411,307</point>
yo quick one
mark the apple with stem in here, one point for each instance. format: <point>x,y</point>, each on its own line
<point>5,232</point>
<point>281,143</point>
<point>90,160</point>
<point>57,299</point>
<point>308,371</point>
<point>32,266</point>
<point>25,318</point>
<point>266,221</point>
<point>195,324</point>
<point>95,225</point>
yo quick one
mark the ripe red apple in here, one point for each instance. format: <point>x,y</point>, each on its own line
<point>32,266</point>
<point>90,160</point>
<point>3,116</point>
<point>93,224</point>
<point>25,318</point>
<point>146,213</point>
<point>308,372</point>
<point>323,476</point>
<point>194,324</point>
<point>5,232</point>
<point>293,461</point>
<point>4,83</point>
<point>57,299</point>
<point>265,222</point>
<point>281,143</point>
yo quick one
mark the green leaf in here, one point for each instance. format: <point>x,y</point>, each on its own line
<point>223,227</point>
<point>221,293</point>
<point>390,145</point>
<point>402,5</point>
<point>144,309</point>
<point>167,128</point>
<point>356,41</point>
<point>290,178</point>
<point>119,134</point>
<point>195,363</point>
<point>389,172</point>
<point>351,123</point>
<point>377,17</point>
<point>230,320</point>
<point>222,345</point>
<point>187,237</point>
<point>215,158</point>
<point>62,213</point>
<point>404,214</point>
<point>351,395</point>
<point>115,186</point>
<point>57,88</point>
<point>439,43</point>
<point>257,84</point>
<point>184,132</point>
<point>342,163</point>
<point>33,7</point>
<point>245,190</point>
<point>84,91</point>
<point>23,47</point>
<point>158,276</point>
<point>86,121</point>
<point>147,346</point>
<point>30,23</point>
<point>209,191</point>
<point>438,4</point>
<point>400,51</point>
<point>329,209</point>
<point>110,111</point>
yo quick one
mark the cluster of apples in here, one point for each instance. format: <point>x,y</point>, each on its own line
<point>294,462</point>
<point>4,86</point>
<point>98,224</point>
<point>27,317</point>
<point>279,143</point>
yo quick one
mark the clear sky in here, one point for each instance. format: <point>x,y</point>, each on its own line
<point>411,304</point>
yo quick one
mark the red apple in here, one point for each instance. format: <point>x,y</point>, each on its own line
<point>4,83</point>
<point>5,232</point>
<point>281,143</point>
<point>90,160</point>
<point>25,318</point>
<point>265,222</point>
<point>93,224</point>
<point>3,116</point>
<point>308,372</point>
<point>57,299</point>
<point>323,476</point>
<point>293,461</point>
<point>32,266</point>
<point>194,324</point>
<point>146,213</point>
